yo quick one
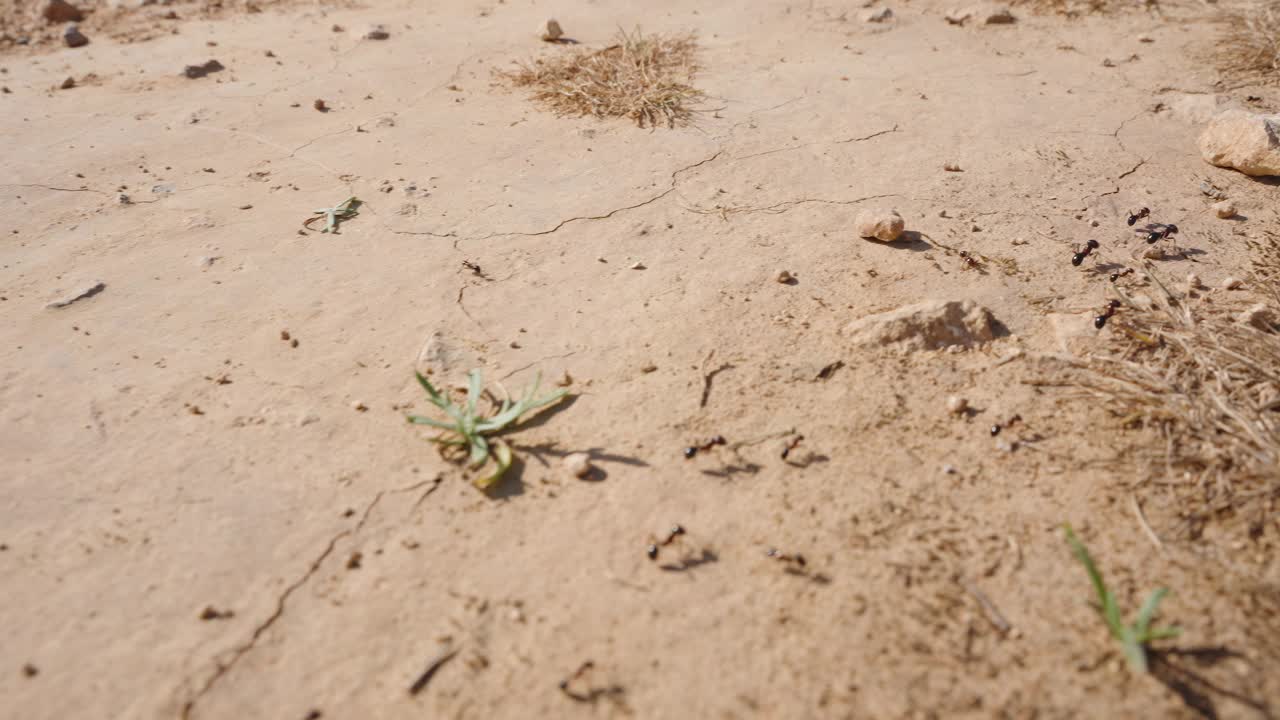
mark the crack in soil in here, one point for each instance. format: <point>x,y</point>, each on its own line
<point>223,668</point>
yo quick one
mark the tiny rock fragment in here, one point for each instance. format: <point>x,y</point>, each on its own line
<point>353,562</point>
<point>60,11</point>
<point>997,15</point>
<point>81,294</point>
<point>551,31</point>
<point>928,325</point>
<point>1224,209</point>
<point>638,266</point>
<point>952,167</point>
<point>1145,39</point>
<point>1154,253</point>
<point>879,224</point>
<point>205,261</point>
<point>30,670</point>
<point>1259,316</point>
<point>320,105</point>
<point>194,72</point>
<point>565,380</point>
<point>1193,282</point>
<point>878,16</point>
<point>377,32</point>
<point>957,405</point>
<point>1212,190</point>
<point>212,613</point>
<point>73,37</point>
<point>578,464</point>
<point>358,406</point>
<point>648,368</point>
<point>67,84</point>
<point>784,277</point>
<point>1232,284</point>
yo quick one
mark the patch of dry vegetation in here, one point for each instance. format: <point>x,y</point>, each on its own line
<point>638,77</point>
<point>1077,8</point>
<point>1209,385</point>
<point>1249,47</point>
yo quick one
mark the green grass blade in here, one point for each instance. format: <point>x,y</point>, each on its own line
<point>479,450</point>
<point>436,398</point>
<point>474,388</point>
<point>1142,625</point>
<point>1110,610</point>
<point>420,420</point>
<point>1134,651</point>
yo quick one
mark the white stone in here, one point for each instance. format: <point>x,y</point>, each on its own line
<point>578,464</point>
<point>1224,209</point>
<point>1245,141</point>
<point>956,405</point>
<point>1193,282</point>
<point>878,16</point>
<point>784,277</point>
<point>879,224</point>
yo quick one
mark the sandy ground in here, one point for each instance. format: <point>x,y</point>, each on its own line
<point>343,555</point>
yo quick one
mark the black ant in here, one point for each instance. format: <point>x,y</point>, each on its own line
<point>797,559</point>
<point>995,429</point>
<point>652,550</point>
<point>1157,231</point>
<point>791,445</point>
<point>1081,255</point>
<point>1135,217</point>
<point>693,449</point>
<point>1121,273</point>
<point>1100,321</point>
<point>970,261</point>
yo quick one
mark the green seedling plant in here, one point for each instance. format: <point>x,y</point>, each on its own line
<point>1133,638</point>
<point>345,210</point>
<point>467,429</point>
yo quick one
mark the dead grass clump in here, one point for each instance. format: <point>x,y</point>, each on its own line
<point>1210,386</point>
<point>642,78</point>
<point>1249,47</point>
<point>1078,8</point>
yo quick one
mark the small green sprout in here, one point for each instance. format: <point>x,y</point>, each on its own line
<point>345,210</point>
<point>1133,638</point>
<point>467,429</point>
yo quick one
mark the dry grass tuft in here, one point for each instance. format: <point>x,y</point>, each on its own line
<point>1078,8</point>
<point>642,78</point>
<point>1210,386</point>
<point>1248,49</point>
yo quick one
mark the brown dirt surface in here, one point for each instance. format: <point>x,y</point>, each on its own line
<point>202,403</point>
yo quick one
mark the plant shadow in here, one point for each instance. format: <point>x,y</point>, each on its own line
<point>1183,670</point>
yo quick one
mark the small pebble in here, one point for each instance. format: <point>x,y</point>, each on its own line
<point>637,266</point>
<point>952,167</point>
<point>1224,209</point>
<point>377,32</point>
<point>648,368</point>
<point>67,84</point>
<point>73,37</point>
<point>957,405</point>
<point>1259,316</point>
<point>949,469</point>
<point>30,670</point>
<point>320,105</point>
<point>784,277</point>
<point>578,464</point>
<point>1232,284</point>
<point>878,16</point>
<point>551,31</point>
<point>1154,253</point>
<point>359,406</point>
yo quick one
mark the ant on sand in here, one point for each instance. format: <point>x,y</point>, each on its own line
<point>1101,320</point>
<point>1080,255</point>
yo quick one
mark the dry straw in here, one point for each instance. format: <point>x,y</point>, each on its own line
<point>1209,385</point>
<point>1248,49</point>
<point>638,77</point>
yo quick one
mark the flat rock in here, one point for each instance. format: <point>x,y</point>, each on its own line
<point>929,325</point>
<point>60,11</point>
<point>879,224</point>
<point>82,293</point>
<point>1244,141</point>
